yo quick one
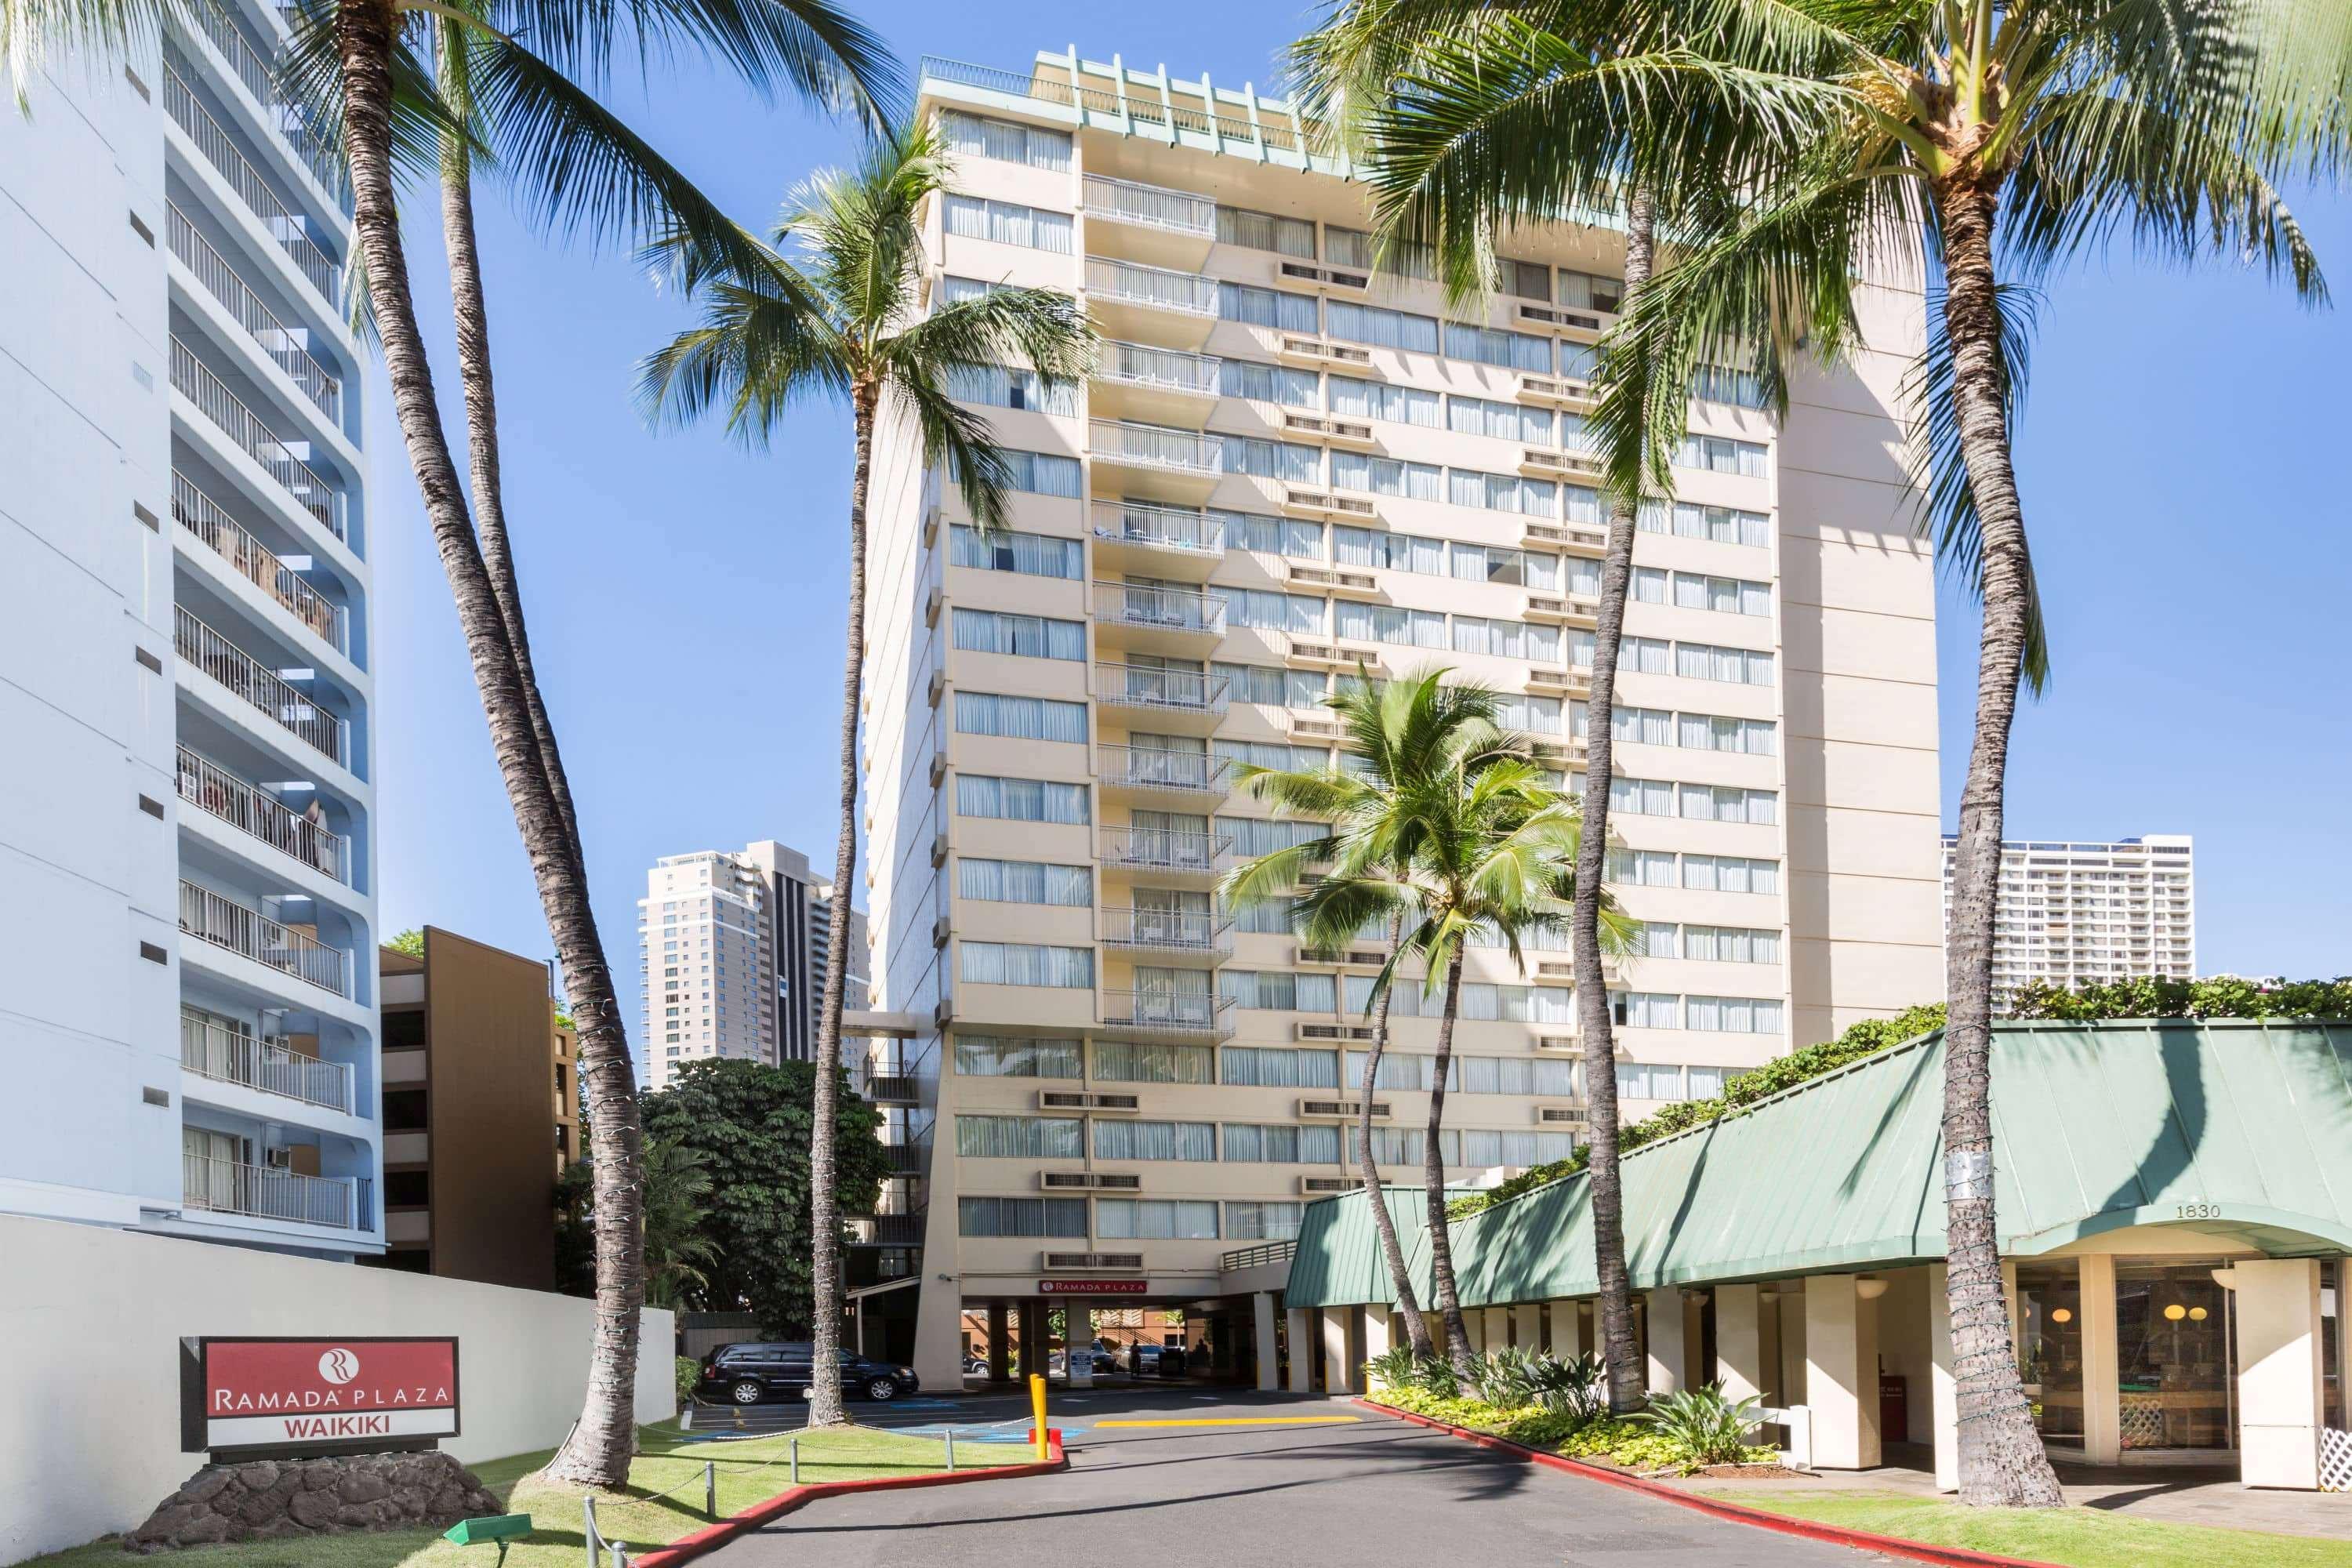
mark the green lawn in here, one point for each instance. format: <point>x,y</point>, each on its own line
<point>748,1471</point>
<point>2078,1537</point>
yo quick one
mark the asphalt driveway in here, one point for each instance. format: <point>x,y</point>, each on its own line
<point>1371,1491</point>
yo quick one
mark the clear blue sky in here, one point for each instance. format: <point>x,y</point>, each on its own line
<point>2179,460</point>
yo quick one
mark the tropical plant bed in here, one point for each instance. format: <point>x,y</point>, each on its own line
<point>1755,1472</point>
<point>1635,1447</point>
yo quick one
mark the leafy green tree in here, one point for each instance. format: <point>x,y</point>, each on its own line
<point>750,1129</point>
<point>410,941</point>
<point>674,1204</point>
<point>844,320</point>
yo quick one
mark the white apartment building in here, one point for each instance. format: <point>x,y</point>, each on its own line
<point>2084,914</point>
<point>1285,465</point>
<point>733,948</point>
<point>188,1007</point>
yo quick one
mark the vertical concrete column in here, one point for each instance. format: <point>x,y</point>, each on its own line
<point>1269,1361</point>
<point>1842,1372</point>
<point>1380,1330</point>
<point>1526,1326</point>
<point>1944,1384</point>
<point>1301,1338</point>
<point>1563,1343</point>
<point>2280,1405</point>
<point>1739,1342</point>
<point>1339,1371</point>
<point>1664,1367</point>
<point>1000,1342</point>
<point>1497,1335</point>
<point>1032,1329</point>
<point>2102,1399</point>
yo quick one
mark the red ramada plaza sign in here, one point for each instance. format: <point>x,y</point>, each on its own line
<point>313,1396</point>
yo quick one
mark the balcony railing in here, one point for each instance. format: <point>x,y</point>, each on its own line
<point>205,784</point>
<point>255,561</point>
<point>1130,201</point>
<point>223,922</point>
<point>317,152</point>
<point>1158,286</point>
<point>277,340</point>
<point>903,1158</point>
<point>1157,768</point>
<point>1149,607</point>
<point>1264,1253</point>
<point>1166,849</point>
<point>1159,527</point>
<point>277,219</point>
<point>250,435</point>
<point>1184,930</point>
<point>211,1050</point>
<point>1155,446</point>
<point>1167,370</point>
<point>1166,690</point>
<point>265,1192</point>
<point>1113,106</point>
<point>1163,1012</point>
<point>204,648</point>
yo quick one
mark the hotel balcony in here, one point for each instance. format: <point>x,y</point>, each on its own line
<point>1154,776</point>
<point>1156,461</point>
<point>266,1192</point>
<point>284,345</point>
<point>1165,1015</point>
<point>1153,619</point>
<point>1151,304</point>
<point>1171,701</point>
<point>246,431</point>
<point>1185,938</point>
<point>1148,223</point>
<point>214,790</point>
<point>203,649</point>
<point>219,149</point>
<point>254,561</point>
<point>1168,541</point>
<point>1166,857</point>
<point>320,155</point>
<point>211,1051</point>
<point>1172,386</point>
<point>225,923</point>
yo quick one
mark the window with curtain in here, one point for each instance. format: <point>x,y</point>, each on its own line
<point>1372,547</point>
<point>1021,1137</point>
<point>1657,939</point>
<point>1064,1218</point>
<point>1508,639</point>
<point>1502,492</point>
<point>1641,726</point>
<point>1536,715</point>
<point>1722,454</point>
<point>1732,1014</point>
<point>1024,882</point>
<point>1398,1071</point>
<point>1491,345</point>
<point>1378,400</point>
<point>1647,1009</point>
<point>1250,1145</point>
<point>1289,536</point>
<point>1644,656</point>
<point>1731,874</point>
<point>1277,991</point>
<point>1040,473</point>
<point>1403,1145</point>
<point>1739,665</point>
<point>1720,524</point>
<point>1274,687</point>
<point>1274,1066</point>
<point>1265,231</point>
<point>1381,329</point>
<point>1580,503</point>
<point>1269,384</point>
<point>1000,387</point>
<point>955,290</point>
<point>1362,472</point>
<point>1023,637</point>
<point>989,1055</point>
<point>1354,247</point>
<point>1285,460</point>
<point>1124,1140</point>
<point>1020,800</point>
<point>1126,1061</point>
<point>1267,308</point>
<point>1389,624</point>
<point>1155,1219</point>
<point>1027,964</point>
<point>1030,555</point>
<point>1591,291</point>
<point>1266,1221</point>
<point>1505,421</point>
<point>1405,996</point>
<point>1648,1080</point>
<point>973,137</point>
<point>1020,717</point>
<point>1502,563</point>
<point>1255,835</point>
<point>1722,384</point>
<point>1273,754</point>
<point>1709,733</point>
<point>1269,610</point>
<point>1642,868</point>
<point>1649,585</point>
<point>1732,944</point>
<point>1009,222</point>
<point>1268,917</point>
<point>1726,802</point>
<point>1641,797</point>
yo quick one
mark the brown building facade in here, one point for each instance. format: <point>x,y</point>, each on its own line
<point>480,1104</point>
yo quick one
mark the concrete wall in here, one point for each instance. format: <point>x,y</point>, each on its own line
<point>89,1333</point>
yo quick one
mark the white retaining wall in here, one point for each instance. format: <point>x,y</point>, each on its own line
<point>91,1324</point>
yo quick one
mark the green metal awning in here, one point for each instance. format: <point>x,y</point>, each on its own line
<point>2238,1128</point>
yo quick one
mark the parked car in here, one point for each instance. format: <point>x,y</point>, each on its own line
<point>1058,1362</point>
<point>1155,1360</point>
<point>755,1372</point>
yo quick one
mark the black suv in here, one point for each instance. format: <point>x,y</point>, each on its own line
<point>754,1372</point>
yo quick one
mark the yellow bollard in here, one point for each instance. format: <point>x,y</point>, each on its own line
<point>1038,1407</point>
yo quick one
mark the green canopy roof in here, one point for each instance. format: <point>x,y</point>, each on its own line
<point>2244,1128</point>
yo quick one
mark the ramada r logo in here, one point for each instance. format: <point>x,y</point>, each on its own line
<point>339,1366</point>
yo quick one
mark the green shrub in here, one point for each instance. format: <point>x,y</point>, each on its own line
<point>689,1372</point>
<point>1706,1426</point>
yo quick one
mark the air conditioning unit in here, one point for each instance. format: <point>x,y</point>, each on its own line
<point>1322,729</point>
<point>1346,1110</point>
<point>931,608</point>
<point>1335,1031</point>
<point>939,850</point>
<point>943,1013</point>
<point>1115,1101</point>
<point>1561,1115</point>
<point>939,932</point>
<point>1109,1183</point>
<point>1316,653</point>
<point>1306,425</point>
<point>1315,1185</point>
<point>1555,1042</point>
<point>930,528</point>
<point>939,769</point>
<point>1068,1181</point>
<point>939,688</point>
<point>1319,575</point>
<point>1079,1100</point>
<point>1122,1261</point>
<point>1554,970</point>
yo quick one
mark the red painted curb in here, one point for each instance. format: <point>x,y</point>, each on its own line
<point>1739,1513</point>
<point>686,1548</point>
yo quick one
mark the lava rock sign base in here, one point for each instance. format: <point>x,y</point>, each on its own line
<point>284,1499</point>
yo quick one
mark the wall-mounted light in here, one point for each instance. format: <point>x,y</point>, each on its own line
<point>1869,1289</point>
<point>2061,1314</point>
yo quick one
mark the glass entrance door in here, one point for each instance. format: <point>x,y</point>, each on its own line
<point>2049,1313</point>
<point>2176,1357</point>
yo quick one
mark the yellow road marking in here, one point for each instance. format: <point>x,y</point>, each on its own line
<point>1238,1421</point>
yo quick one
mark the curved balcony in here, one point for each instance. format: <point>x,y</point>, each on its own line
<point>1179,701</point>
<point>1154,774</point>
<point>318,153</point>
<point>282,344</point>
<point>214,790</point>
<point>1166,1016</point>
<point>257,563</point>
<point>268,1192</point>
<point>252,434</point>
<point>1151,304</point>
<point>1168,856</point>
<point>1153,618</point>
<point>1188,937</point>
<point>209,917</point>
<point>201,648</point>
<point>220,150</point>
<point>211,1050</point>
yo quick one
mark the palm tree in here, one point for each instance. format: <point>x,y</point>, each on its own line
<point>1443,824</point>
<point>674,1186</point>
<point>845,321</point>
<point>1991,143</point>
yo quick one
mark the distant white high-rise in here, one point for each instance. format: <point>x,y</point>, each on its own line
<point>735,945</point>
<point>2077,914</point>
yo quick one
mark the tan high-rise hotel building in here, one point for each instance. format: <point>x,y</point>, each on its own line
<point>1285,465</point>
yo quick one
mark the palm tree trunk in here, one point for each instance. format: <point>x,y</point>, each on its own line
<point>2003,1461</point>
<point>824,1202</point>
<point>471,311</point>
<point>598,1451</point>
<point>1619,1354</point>
<point>1383,1222</point>
<point>1432,1182</point>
